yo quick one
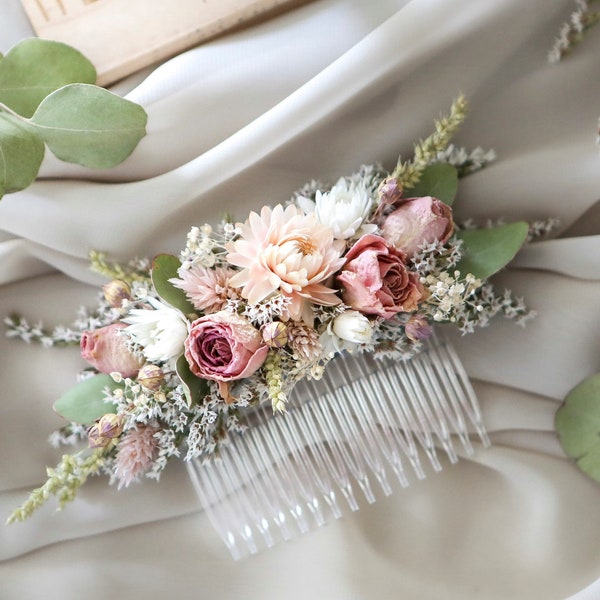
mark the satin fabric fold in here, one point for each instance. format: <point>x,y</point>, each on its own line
<point>241,122</point>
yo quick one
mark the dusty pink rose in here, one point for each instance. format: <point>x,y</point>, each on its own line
<point>224,347</point>
<point>418,221</point>
<point>106,350</point>
<point>376,280</point>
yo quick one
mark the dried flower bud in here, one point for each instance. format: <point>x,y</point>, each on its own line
<point>104,430</point>
<point>390,191</point>
<point>115,292</point>
<point>151,377</point>
<point>275,334</point>
<point>418,328</point>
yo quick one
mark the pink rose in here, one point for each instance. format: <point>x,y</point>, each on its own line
<point>376,280</point>
<point>223,346</point>
<point>106,350</point>
<point>418,221</point>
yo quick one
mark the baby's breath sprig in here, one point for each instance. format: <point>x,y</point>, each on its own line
<point>572,32</point>
<point>409,173</point>
<point>17,326</point>
<point>113,270</point>
<point>464,161</point>
<point>63,481</point>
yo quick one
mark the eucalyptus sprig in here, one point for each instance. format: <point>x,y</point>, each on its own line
<point>48,99</point>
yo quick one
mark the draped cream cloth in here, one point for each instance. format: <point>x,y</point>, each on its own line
<point>244,121</point>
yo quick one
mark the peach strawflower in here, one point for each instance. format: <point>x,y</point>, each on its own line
<point>284,250</point>
<point>207,289</point>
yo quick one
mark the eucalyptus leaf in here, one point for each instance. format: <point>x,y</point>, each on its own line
<point>85,402</point>
<point>164,267</point>
<point>90,126</point>
<point>193,387</point>
<point>21,154</point>
<point>34,68</point>
<point>486,251</point>
<point>439,180</point>
<point>577,423</point>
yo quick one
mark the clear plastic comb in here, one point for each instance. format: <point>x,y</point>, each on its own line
<point>367,424</point>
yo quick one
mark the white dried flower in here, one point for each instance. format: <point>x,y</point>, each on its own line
<point>343,208</point>
<point>160,331</point>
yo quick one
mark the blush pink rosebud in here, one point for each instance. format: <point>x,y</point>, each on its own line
<point>376,280</point>
<point>223,347</point>
<point>418,221</point>
<point>106,350</point>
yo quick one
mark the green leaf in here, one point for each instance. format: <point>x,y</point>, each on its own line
<point>439,180</point>
<point>193,387</point>
<point>90,126</point>
<point>85,402</point>
<point>577,423</point>
<point>34,68</point>
<point>164,267</point>
<point>486,251</point>
<point>21,154</point>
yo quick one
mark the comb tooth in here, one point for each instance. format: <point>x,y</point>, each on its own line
<point>368,443</point>
<point>302,463</point>
<point>439,370</point>
<point>246,479</point>
<point>401,423</point>
<point>271,482</point>
<point>286,470</point>
<point>329,452</point>
<point>468,400</point>
<point>218,510</point>
<point>329,409</point>
<point>430,395</point>
<point>317,471</point>
<point>381,436</point>
<point>319,461</point>
<point>409,412</point>
<point>220,470</point>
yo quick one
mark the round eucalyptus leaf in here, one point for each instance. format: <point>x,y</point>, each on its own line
<point>193,387</point>
<point>486,251</point>
<point>577,423</point>
<point>90,126</point>
<point>34,68</point>
<point>86,402</point>
<point>21,154</point>
<point>164,267</point>
<point>439,180</point>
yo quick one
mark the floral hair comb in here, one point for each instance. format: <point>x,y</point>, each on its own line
<point>290,359</point>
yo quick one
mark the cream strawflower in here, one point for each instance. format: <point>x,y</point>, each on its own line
<point>346,332</point>
<point>160,331</point>
<point>343,208</point>
<point>284,250</point>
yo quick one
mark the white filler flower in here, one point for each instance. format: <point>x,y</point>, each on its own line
<point>160,332</point>
<point>343,208</point>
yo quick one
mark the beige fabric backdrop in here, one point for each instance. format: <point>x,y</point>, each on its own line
<point>244,121</point>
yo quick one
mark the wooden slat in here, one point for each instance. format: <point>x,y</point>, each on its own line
<point>123,36</point>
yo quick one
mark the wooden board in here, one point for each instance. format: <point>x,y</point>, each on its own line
<point>123,36</point>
